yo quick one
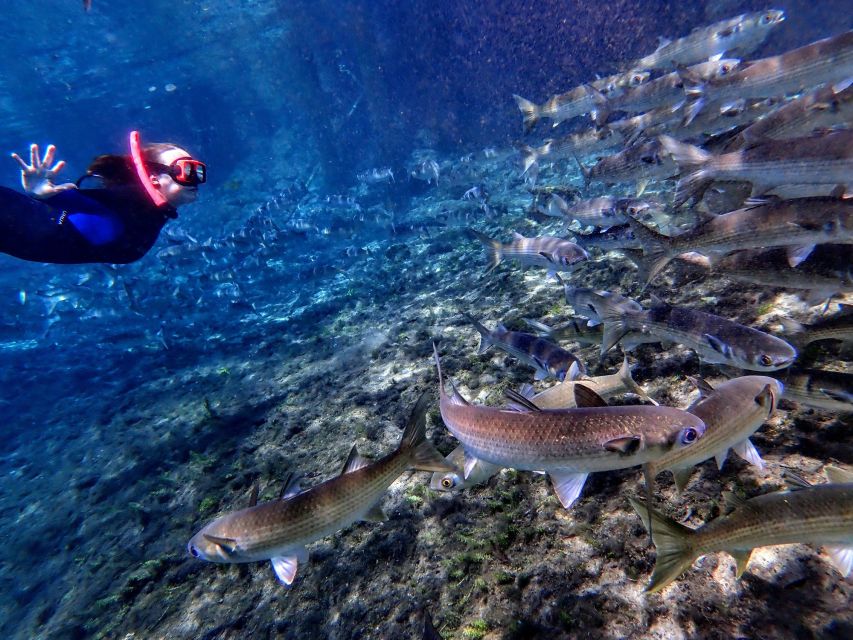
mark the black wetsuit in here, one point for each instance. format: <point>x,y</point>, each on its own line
<point>107,224</point>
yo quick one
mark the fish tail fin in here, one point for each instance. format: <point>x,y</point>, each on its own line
<point>629,383</point>
<point>674,545</point>
<point>657,252</point>
<point>530,155</point>
<point>485,334</point>
<point>530,111</point>
<point>615,327</point>
<point>691,160</point>
<point>423,455</point>
<point>494,251</point>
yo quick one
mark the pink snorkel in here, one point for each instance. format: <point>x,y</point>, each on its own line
<point>136,153</point>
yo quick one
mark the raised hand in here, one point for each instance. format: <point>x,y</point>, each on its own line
<point>37,177</point>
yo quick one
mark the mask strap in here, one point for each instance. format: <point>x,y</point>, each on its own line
<point>139,164</point>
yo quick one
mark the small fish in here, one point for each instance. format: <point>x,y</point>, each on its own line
<point>573,330</point>
<point>826,61</point>
<point>826,390</point>
<point>835,327</point>
<point>549,360</point>
<point>714,339</point>
<point>820,515</point>
<point>616,84</point>
<point>566,444</point>
<point>279,530</point>
<point>643,161</point>
<point>575,144</point>
<point>742,34</point>
<point>732,411</point>
<point>822,158</point>
<point>602,212</point>
<point>798,224</point>
<point>376,176</point>
<point>577,102</point>
<point>614,238</point>
<point>590,302</point>
<point>552,253</point>
<point>562,395</point>
<point>455,480</point>
<point>427,170</point>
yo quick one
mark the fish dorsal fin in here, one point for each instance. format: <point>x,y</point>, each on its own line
<point>702,385</point>
<point>837,475</point>
<point>355,461</point>
<point>586,397</point>
<point>517,236</point>
<point>795,482</point>
<point>838,191</point>
<point>291,486</point>
<point>253,497</point>
<point>625,445</point>
<point>455,396</point>
<point>523,404</point>
<point>375,514</point>
<point>229,545</point>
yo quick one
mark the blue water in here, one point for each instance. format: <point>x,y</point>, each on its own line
<point>290,311</point>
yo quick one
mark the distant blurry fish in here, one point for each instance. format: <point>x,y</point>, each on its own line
<point>715,339</point>
<point>566,444</point>
<point>577,102</point>
<point>741,34</point>
<point>799,224</point>
<point>590,141</point>
<point>732,411</point>
<point>614,85</point>
<point>822,62</point>
<point>552,253</point>
<point>835,327</point>
<point>821,515</point>
<point>643,161</point>
<point>614,238</point>
<point>428,171</point>
<point>603,212</point>
<point>376,176</point>
<point>822,158</point>
<point>826,390</point>
<point>87,4</point>
<point>279,530</point>
<point>549,360</point>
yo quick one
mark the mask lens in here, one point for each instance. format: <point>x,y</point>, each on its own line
<point>189,172</point>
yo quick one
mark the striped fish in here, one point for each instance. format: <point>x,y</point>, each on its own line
<point>566,444</point>
<point>552,253</point>
<point>279,530</point>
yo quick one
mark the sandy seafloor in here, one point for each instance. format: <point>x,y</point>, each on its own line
<point>128,454</point>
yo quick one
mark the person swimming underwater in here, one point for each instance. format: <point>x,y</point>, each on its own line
<point>115,220</point>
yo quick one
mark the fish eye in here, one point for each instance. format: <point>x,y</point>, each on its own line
<point>689,435</point>
<point>447,483</point>
<point>766,18</point>
<point>766,360</point>
<point>725,69</point>
<point>648,159</point>
<point>194,552</point>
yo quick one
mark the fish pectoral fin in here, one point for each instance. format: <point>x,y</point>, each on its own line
<point>797,255</point>
<point>568,486</point>
<point>228,545</point>
<point>285,568</point>
<point>586,397</point>
<point>470,465</point>
<point>795,482</point>
<point>720,458</point>
<point>838,475</point>
<point>626,445</point>
<point>748,452</point>
<point>718,345</point>
<point>681,478</point>
<point>742,558</point>
<point>842,558</point>
<point>355,461</point>
<point>375,514</point>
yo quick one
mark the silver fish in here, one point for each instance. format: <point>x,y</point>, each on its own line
<point>279,530</point>
<point>549,252</point>
<point>603,212</point>
<point>643,161</point>
<point>566,444</point>
<point>826,390</point>
<point>455,480</point>
<point>577,102</point>
<point>742,34</point>
<point>835,327</point>
<point>714,339</point>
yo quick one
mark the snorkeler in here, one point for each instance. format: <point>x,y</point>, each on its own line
<point>115,220</point>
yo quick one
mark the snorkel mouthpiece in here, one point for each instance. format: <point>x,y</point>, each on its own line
<point>139,164</point>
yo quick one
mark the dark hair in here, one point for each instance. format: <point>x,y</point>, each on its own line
<point>114,170</point>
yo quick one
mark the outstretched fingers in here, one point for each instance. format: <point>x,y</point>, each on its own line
<point>20,161</point>
<point>49,155</point>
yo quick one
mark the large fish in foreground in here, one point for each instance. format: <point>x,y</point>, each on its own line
<point>732,411</point>
<point>819,159</point>
<point>566,444</point>
<point>797,224</point>
<point>551,253</point>
<point>741,34</point>
<point>279,530</point>
<point>820,515</point>
<point>715,339</point>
